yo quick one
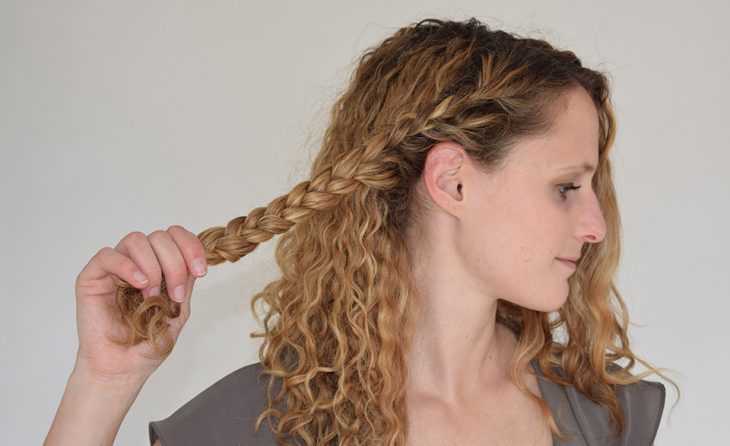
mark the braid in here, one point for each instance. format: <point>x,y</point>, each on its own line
<point>146,317</point>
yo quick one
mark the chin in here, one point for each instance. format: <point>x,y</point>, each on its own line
<point>545,297</point>
<point>554,307</point>
<point>546,304</point>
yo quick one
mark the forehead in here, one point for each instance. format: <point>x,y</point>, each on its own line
<point>572,140</point>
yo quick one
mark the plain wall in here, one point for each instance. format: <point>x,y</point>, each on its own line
<point>137,115</point>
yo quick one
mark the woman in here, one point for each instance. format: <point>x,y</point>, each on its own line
<point>460,219</point>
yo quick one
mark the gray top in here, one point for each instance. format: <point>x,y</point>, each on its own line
<point>224,414</point>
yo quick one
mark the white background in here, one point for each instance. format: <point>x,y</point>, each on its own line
<point>137,115</point>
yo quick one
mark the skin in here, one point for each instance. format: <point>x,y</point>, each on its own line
<point>498,238</point>
<point>106,377</point>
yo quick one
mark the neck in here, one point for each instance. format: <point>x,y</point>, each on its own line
<point>458,349</point>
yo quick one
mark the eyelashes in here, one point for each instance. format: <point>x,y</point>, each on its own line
<point>563,188</point>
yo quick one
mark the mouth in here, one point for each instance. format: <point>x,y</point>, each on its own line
<point>569,263</point>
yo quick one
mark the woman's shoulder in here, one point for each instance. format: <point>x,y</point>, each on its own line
<point>222,414</point>
<point>642,403</point>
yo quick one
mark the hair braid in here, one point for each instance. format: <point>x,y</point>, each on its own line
<point>146,317</point>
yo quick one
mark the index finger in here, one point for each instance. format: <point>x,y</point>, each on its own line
<point>191,248</point>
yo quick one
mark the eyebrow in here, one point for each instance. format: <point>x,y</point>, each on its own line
<point>584,167</point>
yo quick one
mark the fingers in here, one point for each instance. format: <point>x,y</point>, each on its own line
<point>191,249</point>
<point>177,253</point>
<point>136,246</point>
<point>110,261</point>
<point>172,263</point>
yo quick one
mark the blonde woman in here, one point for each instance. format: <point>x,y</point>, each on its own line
<point>460,214</point>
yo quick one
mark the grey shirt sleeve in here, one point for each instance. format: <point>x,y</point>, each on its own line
<point>223,414</point>
<point>642,403</point>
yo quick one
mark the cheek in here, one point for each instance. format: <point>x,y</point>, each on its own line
<point>487,248</point>
<point>501,250</point>
<point>509,249</point>
<point>527,273</point>
<point>531,234</point>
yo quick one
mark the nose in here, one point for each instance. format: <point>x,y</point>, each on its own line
<point>593,226</point>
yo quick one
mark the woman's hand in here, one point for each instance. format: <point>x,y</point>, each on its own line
<point>139,260</point>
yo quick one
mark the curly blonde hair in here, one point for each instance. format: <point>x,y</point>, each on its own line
<point>336,331</point>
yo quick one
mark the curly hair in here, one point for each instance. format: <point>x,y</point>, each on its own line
<point>337,323</point>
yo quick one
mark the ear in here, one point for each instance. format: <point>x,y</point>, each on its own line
<point>445,173</point>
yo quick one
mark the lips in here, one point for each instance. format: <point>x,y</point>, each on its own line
<point>567,262</point>
<point>574,259</point>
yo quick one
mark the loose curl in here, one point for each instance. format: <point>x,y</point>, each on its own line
<point>337,329</point>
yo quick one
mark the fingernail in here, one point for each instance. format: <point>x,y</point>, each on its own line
<point>199,267</point>
<point>155,291</point>
<point>179,293</point>
<point>140,277</point>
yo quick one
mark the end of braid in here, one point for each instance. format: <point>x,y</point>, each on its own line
<point>146,319</point>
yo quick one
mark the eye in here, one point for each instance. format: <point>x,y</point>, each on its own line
<point>563,188</point>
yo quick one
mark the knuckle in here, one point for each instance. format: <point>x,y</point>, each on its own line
<point>134,238</point>
<point>104,251</point>
<point>157,234</point>
<point>136,235</point>
<point>175,228</point>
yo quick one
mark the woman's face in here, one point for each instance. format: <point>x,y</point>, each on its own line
<point>516,223</point>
